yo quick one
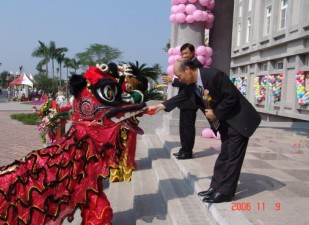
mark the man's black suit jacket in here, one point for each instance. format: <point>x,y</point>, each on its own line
<point>190,102</point>
<point>228,103</point>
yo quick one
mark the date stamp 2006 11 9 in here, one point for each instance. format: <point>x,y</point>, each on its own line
<point>258,206</point>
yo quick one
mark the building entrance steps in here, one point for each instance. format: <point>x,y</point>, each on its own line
<point>274,183</point>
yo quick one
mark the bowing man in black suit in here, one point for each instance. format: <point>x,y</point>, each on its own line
<point>188,108</point>
<point>238,121</point>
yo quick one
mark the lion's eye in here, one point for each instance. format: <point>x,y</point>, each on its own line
<point>107,93</point>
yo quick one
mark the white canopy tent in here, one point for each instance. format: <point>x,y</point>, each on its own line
<point>22,80</point>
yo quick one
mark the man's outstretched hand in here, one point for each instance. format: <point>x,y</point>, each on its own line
<point>151,110</point>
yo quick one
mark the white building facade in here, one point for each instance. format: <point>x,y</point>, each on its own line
<point>270,56</point>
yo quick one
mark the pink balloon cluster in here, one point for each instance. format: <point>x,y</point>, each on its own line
<point>202,53</point>
<point>185,11</point>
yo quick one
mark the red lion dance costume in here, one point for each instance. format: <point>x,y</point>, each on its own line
<point>49,184</point>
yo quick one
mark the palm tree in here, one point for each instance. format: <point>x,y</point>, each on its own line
<point>75,64</point>
<point>52,52</point>
<point>158,68</point>
<point>42,52</point>
<point>40,65</point>
<point>55,53</point>
<point>149,72</point>
<point>20,69</point>
<point>60,60</point>
<point>67,63</point>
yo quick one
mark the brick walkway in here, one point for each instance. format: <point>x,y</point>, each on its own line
<point>16,139</point>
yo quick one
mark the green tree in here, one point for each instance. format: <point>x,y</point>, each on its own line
<point>167,46</point>
<point>98,54</point>
<point>45,83</point>
<point>42,52</point>
<point>3,76</point>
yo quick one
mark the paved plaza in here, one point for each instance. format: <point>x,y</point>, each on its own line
<point>273,187</point>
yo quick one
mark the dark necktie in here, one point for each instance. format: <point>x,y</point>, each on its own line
<point>198,91</point>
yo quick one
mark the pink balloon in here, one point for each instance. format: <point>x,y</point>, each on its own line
<point>204,16</point>
<point>208,133</point>
<point>173,18</point>
<point>189,19</point>
<point>192,1</point>
<point>181,8</point>
<point>170,70</point>
<point>182,1</point>
<point>211,5</point>
<point>174,9</point>
<point>208,62</point>
<point>211,17</point>
<point>208,25</point>
<point>180,17</point>
<point>177,50</point>
<point>209,51</point>
<point>197,15</point>
<point>175,2</point>
<point>201,59</point>
<point>204,2</point>
<point>201,50</point>
<point>171,60</point>
<point>171,51</point>
<point>190,8</point>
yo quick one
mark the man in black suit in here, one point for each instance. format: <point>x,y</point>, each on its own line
<point>238,121</point>
<point>188,108</point>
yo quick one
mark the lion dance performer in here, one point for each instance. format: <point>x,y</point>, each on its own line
<point>49,184</point>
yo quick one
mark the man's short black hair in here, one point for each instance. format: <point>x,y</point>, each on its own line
<point>187,45</point>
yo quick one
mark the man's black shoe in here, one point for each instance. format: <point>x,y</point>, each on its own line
<point>210,191</point>
<point>217,197</point>
<point>178,153</point>
<point>184,155</point>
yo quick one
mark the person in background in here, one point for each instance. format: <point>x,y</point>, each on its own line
<point>187,110</point>
<point>9,94</point>
<point>237,119</point>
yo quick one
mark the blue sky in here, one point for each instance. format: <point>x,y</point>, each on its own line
<point>140,29</point>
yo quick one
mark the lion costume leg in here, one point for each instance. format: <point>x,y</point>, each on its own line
<point>98,210</point>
